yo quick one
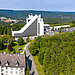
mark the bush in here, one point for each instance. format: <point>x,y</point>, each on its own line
<point>32,50</point>
<point>20,41</point>
<point>10,41</point>
<point>27,39</point>
<point>59,30</point>
<point>27,71</point>
<point>1,45</point>
<point>14,51</point>
<point>10,48</point>
<point>5,38</point>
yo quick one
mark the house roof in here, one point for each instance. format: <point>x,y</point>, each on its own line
<point>11,59</point>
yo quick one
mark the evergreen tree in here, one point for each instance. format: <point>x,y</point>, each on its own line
<point>20,41</point>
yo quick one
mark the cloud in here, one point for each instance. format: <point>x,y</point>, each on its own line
<point>38,4</point>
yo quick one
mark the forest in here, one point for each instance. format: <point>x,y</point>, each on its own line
<point>22,14</point>
<point>5,28</point>
<point>55,53</point>
<point>51,18</point>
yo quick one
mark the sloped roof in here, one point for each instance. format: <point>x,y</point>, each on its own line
<point>12,59</point>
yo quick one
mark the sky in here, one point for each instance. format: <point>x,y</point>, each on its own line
<point>47,5</point>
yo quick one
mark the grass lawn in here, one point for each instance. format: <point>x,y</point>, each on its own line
<point>15,46</point>
<point>38,66</point>
<point>56,33</point>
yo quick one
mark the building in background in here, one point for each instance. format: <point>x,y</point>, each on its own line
<point>4,19</point>
<point>12,64</point>
<point>63,26</point>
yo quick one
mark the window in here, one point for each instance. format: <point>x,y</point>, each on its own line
<point>21,72</point>
<point>0,62</point>
<point>6,67</point>
<point>11,68</point>
<point>6,71</point>
<point>21,68</point>
<point>2,69</point>
<point>11,72</point>
<point>28,20</point>
<point>2,73</point>
<point>16,72</point>
<point>16,68</point>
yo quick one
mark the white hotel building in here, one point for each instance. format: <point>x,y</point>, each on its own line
<point>34,27</point>
<point>12,64</point>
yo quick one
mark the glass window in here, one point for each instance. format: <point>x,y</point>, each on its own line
<point>16,72</point>
<point>21,68</point>
<point>16,68</point>
<point>11,68</point>
<point>2,69</point>
<point>6,67</point>
<point>6,71</point>
<point>21,72</point>
<point>2,73</point>
<point>11,72</point>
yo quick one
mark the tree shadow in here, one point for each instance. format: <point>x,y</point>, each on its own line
<point>5,46</point>
<point>29,62</point>
<point>24,43</point>
<point>14,44</point>
<point>33,73</point>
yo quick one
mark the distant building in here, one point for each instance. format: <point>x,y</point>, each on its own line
<point>4,19</point>
<point>34,27</point>
<point>46,25</point>
<point>12,64</point>
<point>63,26</point>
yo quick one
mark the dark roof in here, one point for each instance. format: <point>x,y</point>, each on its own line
<point>12,59</point>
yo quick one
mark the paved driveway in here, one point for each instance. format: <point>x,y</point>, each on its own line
<point>30,61</point>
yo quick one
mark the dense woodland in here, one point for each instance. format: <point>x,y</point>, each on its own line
<point>5,28</point>
<point>52,18</point>
<point>57,20</point>
<point>55,53</point>
<point>22,14</point>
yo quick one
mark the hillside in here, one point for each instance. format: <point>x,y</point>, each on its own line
<point>19,14</point>
<point>55,53</point>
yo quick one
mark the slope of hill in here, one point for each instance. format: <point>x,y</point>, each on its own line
<point>23,14</point>
<point>47,15</point>
<point>55,53</point>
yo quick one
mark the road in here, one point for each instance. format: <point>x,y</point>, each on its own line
<point>30,61</point>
